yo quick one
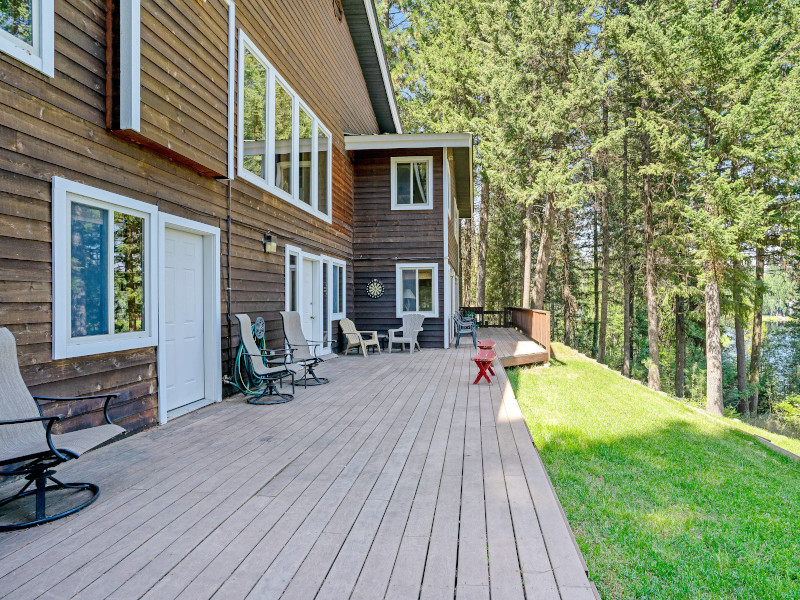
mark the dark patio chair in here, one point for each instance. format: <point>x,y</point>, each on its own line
<point>465,327</point>
<point>305,353</point>
<point>264,370</point>
<point>29,446</point>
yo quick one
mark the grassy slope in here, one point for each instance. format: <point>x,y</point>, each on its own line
<point>664,502</point>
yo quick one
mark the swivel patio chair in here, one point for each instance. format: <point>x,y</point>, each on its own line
<point>29,446</point>
<point>465,327</point>
<point>359,339</point>
<point>258,372</point>
<point>407,334</point>
<point>304,353</point>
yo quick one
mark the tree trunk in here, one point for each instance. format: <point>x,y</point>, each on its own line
<point>466,264</point>
<point>483,229</point>
<point>543,256</point>
<point>755,348</point>
<point>528,250</point>
<point>741,351</point>
<point>596,273</point>
<point>604,198</point>
<point>568,300</point>
<point>627,276</point>
<point>714,404</point>
<point>654,373</point>
<point>680,345</point>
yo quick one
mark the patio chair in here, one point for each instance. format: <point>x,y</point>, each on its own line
<point>407,334</point>
<point>29,446</point>
<point>304,353</point>
<point>265,369</point>
<point>358,339</point>
<point>465,327</point>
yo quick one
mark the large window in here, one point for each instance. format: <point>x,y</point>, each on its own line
<point>26,32</point>
<point>103,264</point>
<point>412,183</point>
<point>283,146</point>
<point>417,288</point>
<point>339,287</point>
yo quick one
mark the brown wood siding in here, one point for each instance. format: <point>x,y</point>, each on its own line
<point>184,79</point>
<point>56,127</point>
<point>453,250</point>
<point>382,238</point>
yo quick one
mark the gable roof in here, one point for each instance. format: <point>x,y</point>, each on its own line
<point>362,21</point>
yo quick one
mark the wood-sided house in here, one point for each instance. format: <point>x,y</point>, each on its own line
<point>169,163</point>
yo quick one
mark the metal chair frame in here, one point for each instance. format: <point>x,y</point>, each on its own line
<point>259,383</point>
<point>40,467</point>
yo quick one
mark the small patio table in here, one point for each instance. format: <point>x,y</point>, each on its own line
<point>486,344</point>
<point>484,360</point>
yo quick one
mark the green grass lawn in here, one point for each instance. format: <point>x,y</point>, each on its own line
<point>664,502</point>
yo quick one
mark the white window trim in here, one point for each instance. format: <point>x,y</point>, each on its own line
<point>398,274</point>
<point>130,88</point>
<point>273,78</point>
<point>42,58</point>
<point>335,262</point>
<point>398,160</point>
<point>63,344</point>
<point>231,173</point>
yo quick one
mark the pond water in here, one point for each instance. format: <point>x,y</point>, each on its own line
<point>780,359</point>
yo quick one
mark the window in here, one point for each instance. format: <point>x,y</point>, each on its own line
<point>417,288</point>
<point>412,183</point>
<point>292,302</point>
<point>339,287</point>
<point>255,116</point>
<point>26,32</point>
<point>282,147</point>
<point>103,271</point>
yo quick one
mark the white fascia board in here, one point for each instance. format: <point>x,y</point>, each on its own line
<point>377,39</point>
<point>407,141</point>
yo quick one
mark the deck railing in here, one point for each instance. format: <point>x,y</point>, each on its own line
<point>533,323</point>
<point>488,318</point>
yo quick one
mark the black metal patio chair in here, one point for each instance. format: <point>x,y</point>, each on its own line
<point>30,449</point>
<point>259,372</point>
<point>305,353</point>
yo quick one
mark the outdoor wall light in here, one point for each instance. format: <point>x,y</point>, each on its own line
<point>270,245</point>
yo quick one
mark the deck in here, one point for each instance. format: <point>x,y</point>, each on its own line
<point>399,479</point>
<point>514,349</point>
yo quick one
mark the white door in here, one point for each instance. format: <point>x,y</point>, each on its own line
<point>311,300</point>
<point>183,320</point>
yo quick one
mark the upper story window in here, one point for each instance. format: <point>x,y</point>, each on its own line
<point>26,32</point>
<point>103,271</point>
<point>283,146</point>
<point>412,183</point>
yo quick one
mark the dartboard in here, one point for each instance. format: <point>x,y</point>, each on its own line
<point>375,288</point>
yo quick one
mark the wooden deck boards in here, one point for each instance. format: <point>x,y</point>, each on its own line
<point>399,479</point>
<point>513,348</point>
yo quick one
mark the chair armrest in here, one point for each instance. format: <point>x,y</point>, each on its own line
<point>48,429</point>
<point>393,331</point>
<point>372,334</point>
<point>108,397</point>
